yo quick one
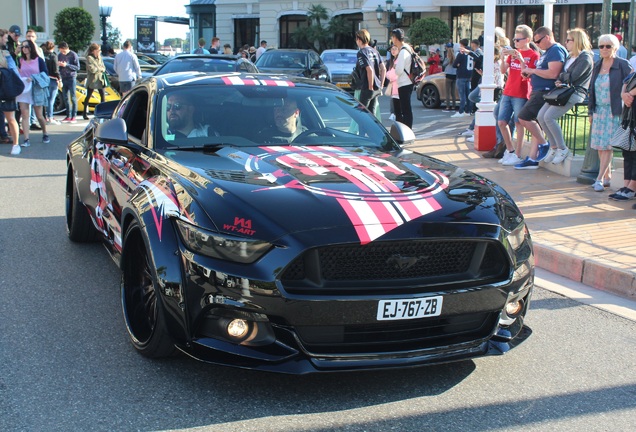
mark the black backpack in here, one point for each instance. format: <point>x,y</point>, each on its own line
<point>418,67</point>
<point>11,84</point>
<point>198,50</point>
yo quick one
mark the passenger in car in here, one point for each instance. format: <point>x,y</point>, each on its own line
<point>183,119</point>
<point>285,128</point>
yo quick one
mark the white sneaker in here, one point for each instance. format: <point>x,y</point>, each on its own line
<point>457,115</point>
<point>506,155</point>
<point>560,156</point>
<point>470,139</point>
<point>392,117</point>
<point>15,149</point>
<point>52,121</point>
<point>467,132</point>
<point>551,154</point>
<point>512,160</point>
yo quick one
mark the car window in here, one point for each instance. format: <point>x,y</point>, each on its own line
<point>243,115</point>
<point>340,58</point>
<point>283,60</point>
<point>197,65</point>
<point>135,114</point>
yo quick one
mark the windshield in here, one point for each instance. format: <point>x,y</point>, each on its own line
<point>197,65</point>
<point>252,115</point>
<point>282,60</point>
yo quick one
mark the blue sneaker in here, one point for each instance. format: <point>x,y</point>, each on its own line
<point>544,149</point>
<point>527,163</point>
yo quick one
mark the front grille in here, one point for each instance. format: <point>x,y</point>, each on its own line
<point>397,336</point>
<point>401,265</point>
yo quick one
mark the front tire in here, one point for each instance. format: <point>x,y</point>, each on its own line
<point>79,225</point>
<point>141,300</point>
<point>430,96</point>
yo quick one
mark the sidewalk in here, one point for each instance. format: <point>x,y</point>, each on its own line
<point>577,233</point>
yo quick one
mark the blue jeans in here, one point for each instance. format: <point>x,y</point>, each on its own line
<point>70,98</point>
<point>511,123</point>
<point>463,88</point>
<point>52,95</point>
<point>510,107</point>
<point>474,97</point>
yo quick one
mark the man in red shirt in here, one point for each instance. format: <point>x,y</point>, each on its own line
<point>516,91</point>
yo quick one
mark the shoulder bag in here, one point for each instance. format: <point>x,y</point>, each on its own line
<point>559,96</point>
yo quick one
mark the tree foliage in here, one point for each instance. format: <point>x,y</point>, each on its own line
<point>322,33</point>
<point>113,36</point>
<point>429,31</point>
<point>74,26</point>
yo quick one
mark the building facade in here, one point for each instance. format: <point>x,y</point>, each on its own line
<point>240,22</point>
<point>42,13</point>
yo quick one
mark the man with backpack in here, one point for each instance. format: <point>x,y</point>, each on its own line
<point>403,66</point>
<point>371,68</point>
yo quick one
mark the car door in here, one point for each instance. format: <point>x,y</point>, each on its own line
<point>128,165</point>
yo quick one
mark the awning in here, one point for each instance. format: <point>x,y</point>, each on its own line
<point>407,5</point>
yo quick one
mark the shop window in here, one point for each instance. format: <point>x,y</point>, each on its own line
<point>289,24</point>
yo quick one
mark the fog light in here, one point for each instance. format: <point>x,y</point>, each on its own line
<point>238,328</point>
<point>514,308</point>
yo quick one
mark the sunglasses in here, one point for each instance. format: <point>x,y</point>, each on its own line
<point>175,106</point>
<point>519,39</point>
<point>539,41</point>
<point>25,46</point>
<point>605,46</point>
<point>569,40</point>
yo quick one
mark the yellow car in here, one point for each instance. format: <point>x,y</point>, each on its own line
<point>80,92</point>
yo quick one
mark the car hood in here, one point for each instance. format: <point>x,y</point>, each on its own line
<point>365,194</point>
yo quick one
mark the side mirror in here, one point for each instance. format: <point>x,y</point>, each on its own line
<point>402,133</point>
<point>105,110</point>
<point>112,132</point>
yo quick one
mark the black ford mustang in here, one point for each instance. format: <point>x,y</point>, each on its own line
<point>308,244</point>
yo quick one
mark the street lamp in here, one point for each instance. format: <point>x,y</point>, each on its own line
<point>104,13</point>
<point>379,13</point>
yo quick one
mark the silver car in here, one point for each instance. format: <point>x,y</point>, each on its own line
<point>340,63</point>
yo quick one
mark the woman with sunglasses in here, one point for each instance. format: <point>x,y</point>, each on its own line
<point>33,72</point>
<point>605,107</point>
<point>577,72</point>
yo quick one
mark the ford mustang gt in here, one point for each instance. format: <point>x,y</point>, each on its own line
<point>271,222</point>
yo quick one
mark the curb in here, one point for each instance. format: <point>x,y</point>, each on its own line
<point>586,271</point>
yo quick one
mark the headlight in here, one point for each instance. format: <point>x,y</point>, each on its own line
<point>518,236</point>
<point>81,91</point>
<point>221,246</point>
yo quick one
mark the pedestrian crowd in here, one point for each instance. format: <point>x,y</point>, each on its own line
<point>537,81</point>
<point>28,104</point>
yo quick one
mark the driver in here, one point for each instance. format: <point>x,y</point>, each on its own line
<point>285,128</point>
<point>182,118</point>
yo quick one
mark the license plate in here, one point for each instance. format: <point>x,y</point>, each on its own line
<point>347,85</point>
<point>409,308</point>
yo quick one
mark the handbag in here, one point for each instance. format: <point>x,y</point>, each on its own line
<point>388,91</point>
<point>11,85</point>
<point>624,137</point>
<point>105,80</point>
<point>559,96</point>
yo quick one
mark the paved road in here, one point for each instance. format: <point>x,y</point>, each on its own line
<point>67,364</point>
